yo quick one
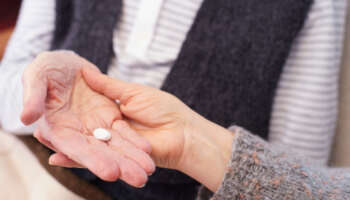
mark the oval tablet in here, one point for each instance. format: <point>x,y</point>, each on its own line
<point>102,134</point>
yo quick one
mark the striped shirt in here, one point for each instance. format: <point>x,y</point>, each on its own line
<point>305,105</point>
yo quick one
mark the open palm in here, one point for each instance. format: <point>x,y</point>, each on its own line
<point>74,107</point>
<point>69,111</point>
<point>158,116</point>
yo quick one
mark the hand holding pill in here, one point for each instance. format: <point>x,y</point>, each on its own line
<point>69,112</point>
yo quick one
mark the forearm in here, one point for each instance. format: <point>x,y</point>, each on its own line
<point>253,168</point>
<point>259,169</point>
<point>208,151</point>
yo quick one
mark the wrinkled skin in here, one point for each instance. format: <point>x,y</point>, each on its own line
<point>158,116</point>
<point>68,111</point>
<point>180,138</point>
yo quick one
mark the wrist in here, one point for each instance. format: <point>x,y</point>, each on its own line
<point>207,152</point>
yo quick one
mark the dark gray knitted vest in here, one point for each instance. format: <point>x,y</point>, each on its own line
<point>227,70</point>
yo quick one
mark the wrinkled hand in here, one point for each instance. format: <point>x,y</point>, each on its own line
<point>158,116</point>
<point>55,93</point>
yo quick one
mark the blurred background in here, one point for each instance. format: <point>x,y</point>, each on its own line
<point>8,15</point>
<point>341,148</point>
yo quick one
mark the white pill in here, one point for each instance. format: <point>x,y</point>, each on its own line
<point>102,134</point>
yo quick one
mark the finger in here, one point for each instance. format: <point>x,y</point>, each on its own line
<point>37,134</point>
<point>104,162</point>
<point>130,171</point>
<point>131,152</point>
<point>59,159</point>
<point>109,87</point>
<point>132,136</point>
<point>77,147</point>
<point>34,95</point>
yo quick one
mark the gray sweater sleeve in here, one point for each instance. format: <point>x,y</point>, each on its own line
<point>259,170</point>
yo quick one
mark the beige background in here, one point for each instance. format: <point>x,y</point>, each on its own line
<point>25,179</point>
<point>341,148</point>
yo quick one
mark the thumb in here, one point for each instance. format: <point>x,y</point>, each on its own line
<point>34,96</point>
<point>107,86</point>
<point>59,159</point>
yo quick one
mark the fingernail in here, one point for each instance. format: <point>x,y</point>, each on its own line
<point>142,186</point>
<point>150,174</point>
<point>51,161</point>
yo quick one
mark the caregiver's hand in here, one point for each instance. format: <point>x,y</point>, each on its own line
<point>69,111</point>
<point>180,138</point>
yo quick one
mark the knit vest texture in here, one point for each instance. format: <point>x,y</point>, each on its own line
<point>227,70</point>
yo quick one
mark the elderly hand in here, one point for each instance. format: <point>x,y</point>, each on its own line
<point>69,111</point>
<point>180,138</point>
<point>167,123</point>
<point>156,115</point>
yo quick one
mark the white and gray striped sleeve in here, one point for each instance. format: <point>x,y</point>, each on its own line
<point>305,107</point>
<point>31,36</point>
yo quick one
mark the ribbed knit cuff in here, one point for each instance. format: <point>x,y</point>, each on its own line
<point>258,171</point>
